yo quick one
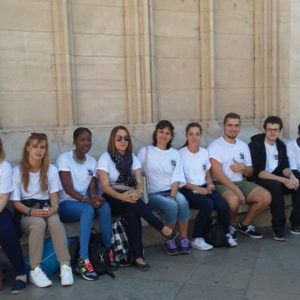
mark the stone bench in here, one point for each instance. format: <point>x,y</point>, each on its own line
<point>152,237</point>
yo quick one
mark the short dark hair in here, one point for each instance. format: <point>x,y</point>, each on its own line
<point>273,120</point>
<point>161,125</point>
<point>78,131</point>
<point>231,115</point>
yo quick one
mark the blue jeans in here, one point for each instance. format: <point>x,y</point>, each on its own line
<point>71,211</point>
<point>10,243</point>
<point>173,210</point>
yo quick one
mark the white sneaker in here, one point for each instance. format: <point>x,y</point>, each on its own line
<point>199,243</point>
<point>66,275</point>
<point>230,240</point>
<point>39,278</point>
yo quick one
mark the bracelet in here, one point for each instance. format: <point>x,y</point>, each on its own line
<point>28,214</point>
<point>84,198</point>
<point>171,197</point>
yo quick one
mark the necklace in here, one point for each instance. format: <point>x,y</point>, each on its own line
<point>79,161</point>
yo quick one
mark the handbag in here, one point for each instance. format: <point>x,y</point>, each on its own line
<point>145,179</point>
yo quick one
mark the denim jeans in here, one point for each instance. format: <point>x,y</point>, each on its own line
<point>173,210</point>
<point>71,211</point>
<point>10,243</point>
<point>205,204</point>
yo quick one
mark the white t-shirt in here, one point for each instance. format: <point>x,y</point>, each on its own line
<point>225,152</point>
<point>293,152</point>
<point>163,168</point>
<point>34,190</point>
<point>195,165</point>
<point>106,164</point>
<point>81,174</point>
<point>6,183</point>
<point>272,157</point>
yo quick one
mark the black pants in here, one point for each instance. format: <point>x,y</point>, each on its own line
<point>10,243</point>
<point>205,204</point>
<point>132,213</point>
<point>278,190</point>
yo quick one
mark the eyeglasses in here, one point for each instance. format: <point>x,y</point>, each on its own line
<point>275,130</point>
<point>120,138</point>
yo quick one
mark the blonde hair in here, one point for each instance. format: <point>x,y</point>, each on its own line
<point>2,153</point>
<point>25,165</point>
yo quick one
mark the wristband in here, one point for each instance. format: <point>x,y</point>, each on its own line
<point>171,197</point>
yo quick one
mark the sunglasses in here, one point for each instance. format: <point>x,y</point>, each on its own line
<point>120,138</point>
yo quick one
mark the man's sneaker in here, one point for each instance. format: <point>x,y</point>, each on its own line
<point>184,245</point>
<point>231,241</point>
<point>171,247</point>
<point>39,278</point>
<point>200,244</point>
<point>66,275</point>
<point>113,264</point>
<point>232,231</point>
<point>249,230</point>
<point>86,270</point>
<point>295,230</point>
<point>279,236</point>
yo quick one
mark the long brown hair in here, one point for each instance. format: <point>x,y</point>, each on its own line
<point>2,153</point>
<point>111,146</point>
<point>25,165</point>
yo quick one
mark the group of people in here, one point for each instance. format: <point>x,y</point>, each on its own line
<point>226,175</point>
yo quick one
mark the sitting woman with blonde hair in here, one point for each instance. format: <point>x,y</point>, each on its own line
<point>36,183</point>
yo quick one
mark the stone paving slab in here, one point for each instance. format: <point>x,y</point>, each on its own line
<point>256,269</point>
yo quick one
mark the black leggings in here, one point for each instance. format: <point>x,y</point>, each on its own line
<point>10,243</point>
<point>132,213</point>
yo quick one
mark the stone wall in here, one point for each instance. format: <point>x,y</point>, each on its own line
<point>99,63</point>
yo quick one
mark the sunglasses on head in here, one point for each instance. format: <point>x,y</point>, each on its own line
<point>120,138</point>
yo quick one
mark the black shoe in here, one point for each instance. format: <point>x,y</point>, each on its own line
<point>142,267</point>
<point>295,230</point>
<point>250,231</point>
<point>173,235</point>
<point>280,237</point>
<point>18,286</point>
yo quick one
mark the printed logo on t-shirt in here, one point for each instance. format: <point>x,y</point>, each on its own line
<point>173,163</point>
<point>90,172</point>
<point>276,156</point>
<point>204,167</point>
<point>242,156</point>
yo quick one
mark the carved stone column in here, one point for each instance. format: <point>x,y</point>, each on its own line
<point>266,58</point>
<point>138,71</point>
<point>62,36</point>
<point>207,72</point>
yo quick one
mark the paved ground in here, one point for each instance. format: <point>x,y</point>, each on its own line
<point>256,269</point>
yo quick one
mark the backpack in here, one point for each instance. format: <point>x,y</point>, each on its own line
<point>98,255</point>
<point>214,233</point>
<point>119,242</point>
